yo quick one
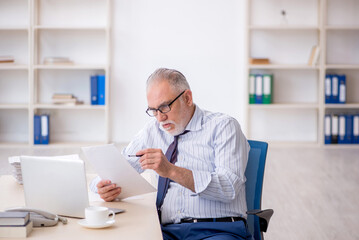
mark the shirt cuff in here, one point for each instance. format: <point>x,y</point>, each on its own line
<point>201,180</point>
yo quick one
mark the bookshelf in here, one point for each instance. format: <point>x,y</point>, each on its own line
<point>296,115</point>
<point>32,30</point>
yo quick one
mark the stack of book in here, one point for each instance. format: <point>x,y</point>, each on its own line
<point>335,88</point>
<point>7,59</point>
<point>260,88</point>
<point>259,61</point>
<point>16,168</point>
<point>341,128</point>
<point>15,224</point>
<point>57,60</point>
<point>68,99</point>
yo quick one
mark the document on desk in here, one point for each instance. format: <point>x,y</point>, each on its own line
<point>110,164</point>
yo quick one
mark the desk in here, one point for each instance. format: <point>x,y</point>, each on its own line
<point>139,221</point>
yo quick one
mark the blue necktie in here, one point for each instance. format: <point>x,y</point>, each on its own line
<point>163,183</point>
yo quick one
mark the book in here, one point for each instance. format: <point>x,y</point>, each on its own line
<point>356,129</point>
<point>328,88</point>
<point>267,88</point>
<point>101,89</point>
<point>259,89</point>
<point>252,85</point>
<point>335,89</point>
<point>7,59</point>
<point>57,60</point>
<point>314,56</point>
<point>14,218</point>
<point>37,129</point>
<point>93,90</point>
<point>335,128</point>
<point>327,129</point>
<point>259,61</point>
<point>45,127</point>
<point>342,89</point>
<point>62,96</point>
<point>16,231</point>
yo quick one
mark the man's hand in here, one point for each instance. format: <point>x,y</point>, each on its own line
<point>108,191</point>
<point>155,159</point>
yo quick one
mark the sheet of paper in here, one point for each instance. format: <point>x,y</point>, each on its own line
<point>109,163</point>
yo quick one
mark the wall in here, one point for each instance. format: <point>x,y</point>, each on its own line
<point>204,39</point>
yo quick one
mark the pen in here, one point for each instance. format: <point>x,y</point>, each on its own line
<point>133,155</point>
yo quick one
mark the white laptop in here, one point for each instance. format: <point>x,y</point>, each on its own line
<point>56,185</point>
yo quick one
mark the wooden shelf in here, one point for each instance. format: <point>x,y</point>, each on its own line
<point>342,27</point>
<point>41,30</point>
<point>70,66</point>
<point>13,106</point>
<point>286,28</point>
<point>69,106</point>
<point>284,106</point>
<point>282,66</point>
<point>342,106</point>
<point>342,66</point>
<point>13,66</point>
<point>71,28</point>
<point>335,32</point>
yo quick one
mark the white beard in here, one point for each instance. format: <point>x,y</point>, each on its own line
<point>178,128</point>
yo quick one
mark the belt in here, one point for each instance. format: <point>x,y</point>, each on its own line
<point>224,219</point>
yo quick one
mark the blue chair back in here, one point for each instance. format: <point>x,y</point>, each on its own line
<point>254,174</point>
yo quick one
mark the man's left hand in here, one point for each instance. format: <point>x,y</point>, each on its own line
<point>155,159</point>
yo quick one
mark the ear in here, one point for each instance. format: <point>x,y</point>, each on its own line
<point>188,98</point>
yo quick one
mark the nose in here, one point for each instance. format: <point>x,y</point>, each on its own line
<point>161,116</point>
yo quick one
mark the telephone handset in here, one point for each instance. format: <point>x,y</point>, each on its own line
<point>39,217</point>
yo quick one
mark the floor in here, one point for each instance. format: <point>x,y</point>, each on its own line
<point>313,191</point>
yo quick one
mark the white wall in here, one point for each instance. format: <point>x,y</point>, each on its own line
<point>204,39</point>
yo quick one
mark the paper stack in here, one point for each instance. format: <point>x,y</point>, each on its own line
<point>16,168</point>
<point>57,60</point>
<point>59,98</point>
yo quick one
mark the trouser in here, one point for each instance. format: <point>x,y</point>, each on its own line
<point>206,230</point>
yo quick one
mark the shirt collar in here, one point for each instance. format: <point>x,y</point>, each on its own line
<point>195,123</point>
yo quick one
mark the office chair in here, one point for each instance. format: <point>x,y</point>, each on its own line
<point>257,219</point>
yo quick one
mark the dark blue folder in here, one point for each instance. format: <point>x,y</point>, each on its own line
<point>93,90</point>
<point>37,129</point>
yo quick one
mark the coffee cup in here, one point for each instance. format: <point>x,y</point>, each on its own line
<point>97,215</point>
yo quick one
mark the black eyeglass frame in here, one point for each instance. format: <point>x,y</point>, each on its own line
<point>156,110</point>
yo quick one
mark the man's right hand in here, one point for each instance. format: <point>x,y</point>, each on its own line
<point>107,190</point>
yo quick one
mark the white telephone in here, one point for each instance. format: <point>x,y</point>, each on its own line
<point>39,217</point>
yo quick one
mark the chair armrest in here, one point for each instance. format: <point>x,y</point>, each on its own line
<point>264,217</point>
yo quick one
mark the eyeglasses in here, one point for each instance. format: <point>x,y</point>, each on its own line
<point>152,112</point>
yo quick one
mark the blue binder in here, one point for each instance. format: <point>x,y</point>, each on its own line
<point>342,89</point>
<point>101,89</point>
<point>356,129</point>
<point>328,88</point>
<point>327,129</point>
<point>45,127</point>
<point>93,90</point>
<point>342,129</point>
<point>37,129</point>
<point>259,89</point>
<point>335,89</point>
<point>349,129</point>
<point>335,128</point>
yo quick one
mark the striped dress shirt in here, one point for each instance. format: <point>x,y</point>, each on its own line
<point>216,151</point>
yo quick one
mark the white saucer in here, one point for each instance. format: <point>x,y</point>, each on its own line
<point>84,223</point>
